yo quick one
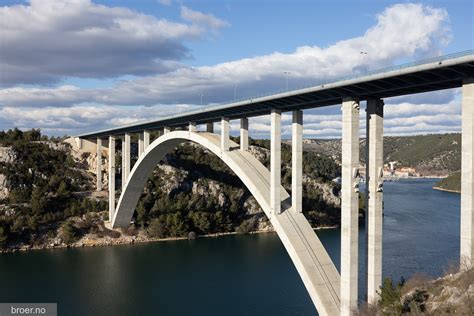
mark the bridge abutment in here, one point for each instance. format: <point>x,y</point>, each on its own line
<point>349,206</point>
<point>467,176</point>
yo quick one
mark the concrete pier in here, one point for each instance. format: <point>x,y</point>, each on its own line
<point>146,139</point>
<point>126,155</point>
<point>111,177</point>
<point>166,130</point>
<point>192,126</point>
<point>349,206</point>
<point>374,165</point>
<point>244,133</point>
<point>141,144</point>
<point>99,164</point>
<point>467,176</point>
<point>210,127</point>
<point>122,149</point>
<point>297,161</point>
<point>275,162</point>
<point>225,144</point>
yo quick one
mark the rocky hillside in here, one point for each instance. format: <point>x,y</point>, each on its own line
<point>431,154</point>
<point>49,198</point>
<point>452,294</point>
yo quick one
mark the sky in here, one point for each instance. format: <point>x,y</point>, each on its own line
<point>76,66</point>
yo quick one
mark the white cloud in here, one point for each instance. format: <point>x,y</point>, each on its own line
<point>47,40</point>
<point>78,119</point>
<point>124,32</point>
<point>424,30</point>
<point>200,18</point>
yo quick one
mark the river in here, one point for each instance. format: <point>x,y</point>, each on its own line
<point>231,275</point>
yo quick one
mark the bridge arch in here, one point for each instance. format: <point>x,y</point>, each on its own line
<point>309,256</point>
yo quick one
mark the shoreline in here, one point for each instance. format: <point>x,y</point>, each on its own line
<point>88,242</point>
<point>446,190</point>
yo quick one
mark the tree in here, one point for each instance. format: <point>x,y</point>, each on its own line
<point>68,232</point>
<point>157,227</point>
<point>201,221</point>
<point>38,201</point>
<point>390,296</point>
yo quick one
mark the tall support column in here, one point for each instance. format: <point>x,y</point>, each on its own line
<point>99,164</point>
<point>192,126</point>
<point>225,141</point>
<point>349,206</point>
<point>141,144</point>
<point>297,161</point>
<point>275,162</point>
<point>166,130</point>
<point>111,177</point>
<point>374,175</point>
<point>210,127</point>
<point>123,161</point>
<point>244,133</point>
<point>127,156</point>
<point>146,139</point>
<point>467,176</point>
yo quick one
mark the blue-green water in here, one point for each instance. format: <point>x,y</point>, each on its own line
<point>233,275</point>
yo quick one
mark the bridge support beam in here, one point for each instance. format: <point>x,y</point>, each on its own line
<point>349,206</point>
<point>111,177</point>
<point>225,144</point>
<point>99,164</point>
<point>210,127</point>
<point>467,176</point>
<point>166,130</point>
<point>374,191</point>
<point>244,133</point>
<point>192,127</point>
<point>297,161</point>
<point>275,162</point>
<point>146,139</point>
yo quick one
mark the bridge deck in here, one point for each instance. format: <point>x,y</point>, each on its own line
<point>439,73</point>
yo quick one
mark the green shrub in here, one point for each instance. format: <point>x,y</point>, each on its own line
<point>69,233</point>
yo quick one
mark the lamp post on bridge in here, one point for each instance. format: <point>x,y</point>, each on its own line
<point>287,73</point>
<point>363,65</point>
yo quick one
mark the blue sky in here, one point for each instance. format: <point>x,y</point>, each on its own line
<point>73,66</point>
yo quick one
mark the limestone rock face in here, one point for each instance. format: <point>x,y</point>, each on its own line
<point>7,156</point>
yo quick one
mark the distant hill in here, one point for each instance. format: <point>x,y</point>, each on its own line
<point>452,183</point>
<point>438,154</point>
